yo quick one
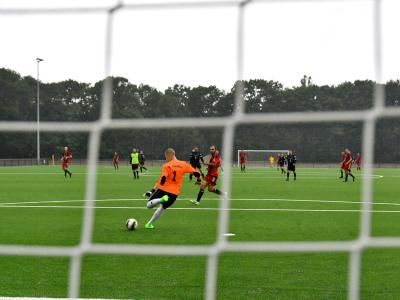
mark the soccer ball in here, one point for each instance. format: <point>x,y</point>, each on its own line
<point>131,224</point>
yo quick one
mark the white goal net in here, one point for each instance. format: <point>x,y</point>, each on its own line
<point>260,158</point>
<point>95,129</point>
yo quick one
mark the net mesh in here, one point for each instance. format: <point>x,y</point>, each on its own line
<point>228,124</point>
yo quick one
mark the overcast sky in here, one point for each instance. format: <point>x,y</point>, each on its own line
<point>332,41</point>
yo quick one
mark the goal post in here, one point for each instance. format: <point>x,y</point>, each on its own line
<point>259,158</point>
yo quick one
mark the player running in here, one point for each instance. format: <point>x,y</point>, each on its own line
<point>66,157</point>
<point>212,175</point>
<point>242,160</point>
<point>281,163</point>
<point>291,164</point>
<point>135,163</point>
<point>342,165</point>
<point>348,161</point>
<point>115,161</point>
<point>142,159</point>
<point>277,160</point>
<point>194,159</point>
<point>358,161</point>
<point>168,186</point>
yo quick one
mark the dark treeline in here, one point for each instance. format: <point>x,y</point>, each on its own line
<point>74,101</point>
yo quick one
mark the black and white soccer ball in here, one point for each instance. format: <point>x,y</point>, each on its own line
<point>131,224</point>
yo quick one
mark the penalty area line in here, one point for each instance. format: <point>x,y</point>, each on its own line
<point>205,199</point>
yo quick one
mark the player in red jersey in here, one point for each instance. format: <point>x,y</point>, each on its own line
<point>348,161</point>
<point>342,165</point>
<point>281,162</point>
<point>66,157</point>
<point>242,160</point>
<point>358,161</point>
<point>116,160</point>
<point>212,175</point>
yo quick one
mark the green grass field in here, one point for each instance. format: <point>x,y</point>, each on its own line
<point>39,207</point>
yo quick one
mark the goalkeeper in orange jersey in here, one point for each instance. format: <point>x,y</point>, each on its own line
<point>168,186</point>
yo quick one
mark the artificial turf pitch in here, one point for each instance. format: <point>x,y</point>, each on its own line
<point>38,206</point>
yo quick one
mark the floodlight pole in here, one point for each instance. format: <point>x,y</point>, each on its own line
<point>38,60</point>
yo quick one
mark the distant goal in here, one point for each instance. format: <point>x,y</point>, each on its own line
<point>259,158</point>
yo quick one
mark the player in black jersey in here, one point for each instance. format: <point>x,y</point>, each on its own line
<point>142,159</point>
<point>194,159</point>
<point>291,164</point>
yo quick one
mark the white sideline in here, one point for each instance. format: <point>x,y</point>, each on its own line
<point>205,208</point>
<point>40,298</point>
<point>77,173</point>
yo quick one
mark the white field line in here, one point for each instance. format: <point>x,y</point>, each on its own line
<point>207,208</point>
<point>299,177</point>
<point>74,173</point>
<point>244,177</point>
<point>39,298</point>
<point>205,199</point>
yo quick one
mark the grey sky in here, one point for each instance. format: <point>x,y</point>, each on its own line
<point>332,41</point>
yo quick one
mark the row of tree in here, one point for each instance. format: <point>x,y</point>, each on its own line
<point>74,101</point>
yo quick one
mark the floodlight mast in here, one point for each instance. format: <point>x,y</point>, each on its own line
<point>38,60</point>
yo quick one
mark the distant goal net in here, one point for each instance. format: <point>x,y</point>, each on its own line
<point>260,158</point>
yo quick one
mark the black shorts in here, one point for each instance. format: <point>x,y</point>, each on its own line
<point>135,166</point>
<point>198,166</point>
<point>159,193</point>
<point>291,168</point>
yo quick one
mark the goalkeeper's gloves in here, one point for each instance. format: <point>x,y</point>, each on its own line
<point>149,193</point>
<point>196,174</point>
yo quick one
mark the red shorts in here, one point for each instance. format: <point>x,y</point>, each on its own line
<point>211,180</point>
<point>65,166</point>
<point>347,167</point>
<point>342,166</point>
<point>242,162</point>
